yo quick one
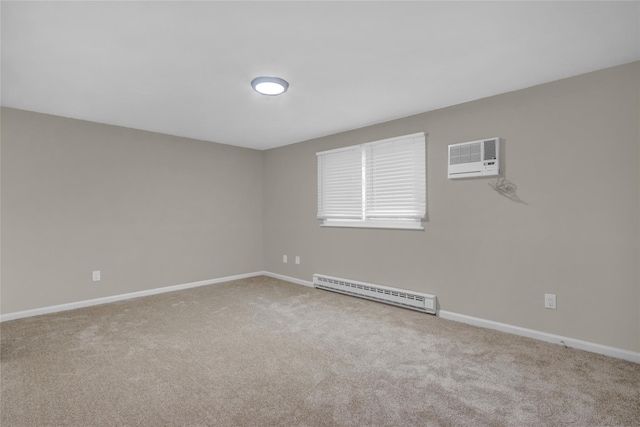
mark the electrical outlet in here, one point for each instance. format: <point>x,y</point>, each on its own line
<point>96,276</point>
<point>550,301</point>
<point>284,259</point>
<point>297,260</point>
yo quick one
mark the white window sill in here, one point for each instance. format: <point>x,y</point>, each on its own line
<point>395,225</point>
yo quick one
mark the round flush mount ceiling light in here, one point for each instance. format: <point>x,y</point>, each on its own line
<point>269,85</point>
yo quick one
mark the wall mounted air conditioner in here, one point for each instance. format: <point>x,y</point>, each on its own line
<point>475,158</point>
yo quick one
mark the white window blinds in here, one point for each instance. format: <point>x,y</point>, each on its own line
<point>378,184</point>
<point>340,183</point>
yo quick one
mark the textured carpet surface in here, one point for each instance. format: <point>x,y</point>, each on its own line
<point>265,352</point>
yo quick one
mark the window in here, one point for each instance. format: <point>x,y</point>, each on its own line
<point>379,184</point>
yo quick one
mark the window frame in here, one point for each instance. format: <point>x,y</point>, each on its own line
<point>417,198</point>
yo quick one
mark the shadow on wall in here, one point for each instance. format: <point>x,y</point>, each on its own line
<point>506,188</point>
<point>503,186</point>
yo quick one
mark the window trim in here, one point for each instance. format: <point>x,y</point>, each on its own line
<point>415,224</point>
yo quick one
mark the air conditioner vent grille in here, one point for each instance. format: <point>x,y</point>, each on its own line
<point>465,153</point>
<point>490,149</point>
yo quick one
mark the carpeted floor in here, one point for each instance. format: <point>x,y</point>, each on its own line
<point>262,352</point>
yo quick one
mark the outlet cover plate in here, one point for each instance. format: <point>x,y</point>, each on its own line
<point>550,301</point>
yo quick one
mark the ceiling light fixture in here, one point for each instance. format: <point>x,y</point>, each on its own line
<point>269,85</point>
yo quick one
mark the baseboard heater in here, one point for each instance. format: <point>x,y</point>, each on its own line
<point>403,298</point>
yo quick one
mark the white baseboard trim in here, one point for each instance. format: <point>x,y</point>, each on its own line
<point>503,327</point>
<point>618,353</point>
<point>288,279</point>
<point>113,298</point>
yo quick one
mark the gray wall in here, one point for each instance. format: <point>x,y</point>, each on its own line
<point>571,147</point>
<point>148,210</point>
<point>152,210</point>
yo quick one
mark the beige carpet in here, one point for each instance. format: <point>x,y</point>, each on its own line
<point>265,352</point>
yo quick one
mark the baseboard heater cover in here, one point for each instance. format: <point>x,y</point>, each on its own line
<point>403,298</point>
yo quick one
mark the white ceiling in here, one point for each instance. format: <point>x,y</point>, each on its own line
<point>184,68</point>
